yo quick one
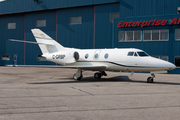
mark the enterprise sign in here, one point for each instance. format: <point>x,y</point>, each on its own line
<point>148,23</point>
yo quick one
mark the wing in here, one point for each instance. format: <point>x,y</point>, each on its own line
<point>98,68</point>
<point>85,67</point>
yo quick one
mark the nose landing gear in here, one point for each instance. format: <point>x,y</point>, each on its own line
<point>150,79</point>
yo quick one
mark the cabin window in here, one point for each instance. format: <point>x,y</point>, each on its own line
<point>96,56</point>
<point>106,56</point>
<point>86,56</point>
<point>142,54</point>
<point>130,53</point>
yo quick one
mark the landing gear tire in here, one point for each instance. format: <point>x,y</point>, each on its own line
<point>77,78</point>
<point>97,75</point>
<point>150,80</point>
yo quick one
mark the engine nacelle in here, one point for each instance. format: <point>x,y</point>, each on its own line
<point>76,56</point>
<point>64,57</point>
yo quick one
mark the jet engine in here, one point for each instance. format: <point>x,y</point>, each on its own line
<point>64,57</point>
<point>76,56</point>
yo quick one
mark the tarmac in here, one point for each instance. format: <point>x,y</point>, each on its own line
<point>29,93</point>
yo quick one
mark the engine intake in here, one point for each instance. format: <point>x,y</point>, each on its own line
<point>76,56</point>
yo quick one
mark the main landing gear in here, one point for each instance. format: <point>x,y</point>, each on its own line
<point>99,74</point>
<point>150,79</point>
<point>78,75</point>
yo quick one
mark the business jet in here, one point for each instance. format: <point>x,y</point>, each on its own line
<point>101,60</point>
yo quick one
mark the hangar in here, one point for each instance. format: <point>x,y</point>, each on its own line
<point>150,25</point>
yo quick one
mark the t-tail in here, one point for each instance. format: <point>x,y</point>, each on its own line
<point>49,46</point>
<point>46,43</point>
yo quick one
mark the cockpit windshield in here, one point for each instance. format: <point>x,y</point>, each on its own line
<point>142,54</point>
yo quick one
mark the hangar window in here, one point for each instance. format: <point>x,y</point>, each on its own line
<point>177,61</point>
<point>177,34</point>
<point>150,35</point>
<point>137,35</point>
<point>76,20</point>
<point>6,57</point>
<point>164,34</point>
<point>121,36</point>
<point>147,34</point>
<point>40,58</point>
<point>41,23</point>
<point>155,35</point>
<point>11,25</point>
<point>113,15</point>
<point>129,36</point>
<point>162,57</point>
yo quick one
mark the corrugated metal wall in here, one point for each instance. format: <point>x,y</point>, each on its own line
<point>148,7</point>
<point>15,6</point>
<point>78,35</point>
<point>32,50</point>
<point>8,47</point>
<point>103,25</point>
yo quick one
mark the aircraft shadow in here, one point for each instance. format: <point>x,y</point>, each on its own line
<point>113,79</point>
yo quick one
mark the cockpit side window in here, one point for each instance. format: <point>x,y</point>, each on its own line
<point>142,54</point>
<point>130,53</point>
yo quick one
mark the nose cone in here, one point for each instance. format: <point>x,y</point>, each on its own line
<point>171,66</point>
<point>154,62</point>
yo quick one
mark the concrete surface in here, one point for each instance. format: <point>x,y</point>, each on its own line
<point>52,94</point>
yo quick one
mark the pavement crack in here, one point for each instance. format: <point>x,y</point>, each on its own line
<point>82,91</point>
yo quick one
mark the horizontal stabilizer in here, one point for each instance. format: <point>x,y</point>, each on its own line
<point>51,44</point>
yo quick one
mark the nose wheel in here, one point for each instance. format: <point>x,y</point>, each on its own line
<point>150,79</point>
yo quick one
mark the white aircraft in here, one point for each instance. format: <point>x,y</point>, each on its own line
<point>98,59</point>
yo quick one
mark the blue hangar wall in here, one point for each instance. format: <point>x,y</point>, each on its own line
<point>96,30</point>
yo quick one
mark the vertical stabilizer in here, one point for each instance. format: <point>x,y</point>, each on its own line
<point>41,37</point>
